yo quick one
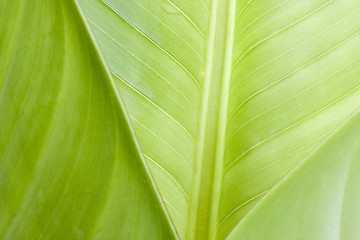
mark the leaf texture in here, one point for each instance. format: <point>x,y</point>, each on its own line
<point>321,195</point>
<point>156,52</point>
<point>274,79</point>
<point>235,105</point>
<point>295,79</point>
<point>69,167</point>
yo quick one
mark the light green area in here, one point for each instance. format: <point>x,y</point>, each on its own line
<point>318,200</point>
<point>224,104</point>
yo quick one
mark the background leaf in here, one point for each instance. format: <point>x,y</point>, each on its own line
<point>318,200</point>
<point>70,168</point>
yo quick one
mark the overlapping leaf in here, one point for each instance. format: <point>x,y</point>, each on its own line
<point>291,70</point>
<point>226,98</point>
<point>69,168</point>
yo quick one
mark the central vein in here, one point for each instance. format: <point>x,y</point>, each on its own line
<point>210,151</point>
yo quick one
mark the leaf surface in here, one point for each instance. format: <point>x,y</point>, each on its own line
<point>226,97</point>
<point>69,167</point>
<point>227,100</point>
<point>318,200</point>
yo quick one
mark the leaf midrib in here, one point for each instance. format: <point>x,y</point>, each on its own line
<point>206,189</point>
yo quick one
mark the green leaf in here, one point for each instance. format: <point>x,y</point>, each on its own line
<point>239,90</point>
<point>70,168</point>
<point>318,200</point>
<point>227,100</point>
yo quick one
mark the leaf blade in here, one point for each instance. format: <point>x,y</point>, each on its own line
<point>66,143</point>
<point>318,194</point>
